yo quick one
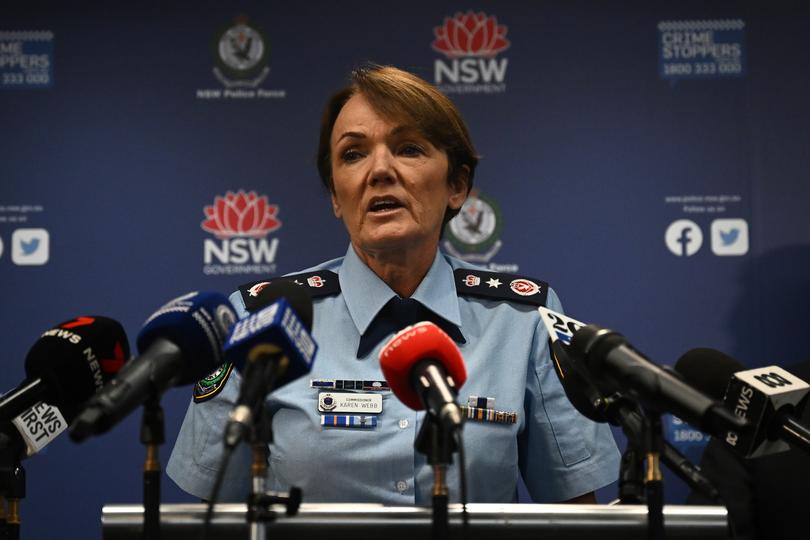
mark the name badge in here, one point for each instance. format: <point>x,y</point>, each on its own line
<point>341,402</point>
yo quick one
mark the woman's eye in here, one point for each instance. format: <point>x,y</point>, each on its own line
<point>351,155</point>
<point>411,150</point>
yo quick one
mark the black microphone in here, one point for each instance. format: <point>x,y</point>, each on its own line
<point>769,398</point>
<point>180,343</point>
<point>271,347</point>
<point>617,366</point>
<point>615,409</point>
<point>65,366</point>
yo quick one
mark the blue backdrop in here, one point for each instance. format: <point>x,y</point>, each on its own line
<point>602,126</point>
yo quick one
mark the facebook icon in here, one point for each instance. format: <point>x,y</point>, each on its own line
<point>684,237</point>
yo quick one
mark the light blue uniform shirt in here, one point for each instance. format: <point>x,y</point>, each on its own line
<point>560,453</point>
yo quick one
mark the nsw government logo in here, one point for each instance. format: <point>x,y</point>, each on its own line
<point>240,223</point>
<point>701,49</point>
<point>471,43</point>
<point>241,63</point>
<point>474,234</point>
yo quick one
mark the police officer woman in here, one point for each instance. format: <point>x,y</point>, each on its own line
<point>398,162</point>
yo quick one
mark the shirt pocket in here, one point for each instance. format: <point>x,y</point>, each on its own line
<point>571,442</point>
<point>209,432</point>
<point>563,419</point>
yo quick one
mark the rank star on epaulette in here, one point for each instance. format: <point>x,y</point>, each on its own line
<point>317,284</point>
<point>498,286</point>
<point>212,384</point>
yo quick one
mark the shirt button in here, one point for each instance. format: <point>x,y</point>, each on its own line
<point>403,424</point>
<point>402,485</point>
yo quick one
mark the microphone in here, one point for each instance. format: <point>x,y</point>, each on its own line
<point>180,343</point>
<point>616,409</point>
<point>272,347</point>
<point>616,365</point>
<point>64,368</point>
<point>424,369</point>
<point>769,398</point>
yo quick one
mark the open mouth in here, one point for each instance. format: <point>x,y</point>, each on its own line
<point>384,204</point>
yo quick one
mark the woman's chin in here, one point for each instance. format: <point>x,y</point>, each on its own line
<point>394,238</point>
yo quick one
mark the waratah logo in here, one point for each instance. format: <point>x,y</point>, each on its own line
<point>241,222</point>
<point>241,214</point>
<point>470,34</point>
<point>470,43</point>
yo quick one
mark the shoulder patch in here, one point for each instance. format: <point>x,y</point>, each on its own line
<point>319,283</point>
<point>498,286</point>
<point>212,384</point>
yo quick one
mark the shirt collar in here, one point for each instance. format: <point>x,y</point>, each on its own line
<point>366,294</point>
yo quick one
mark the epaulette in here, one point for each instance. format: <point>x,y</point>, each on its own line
<point>317,284</point>
<point>498,286</point>
<point>213,384</point>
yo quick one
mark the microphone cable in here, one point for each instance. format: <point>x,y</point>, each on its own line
<point>462,478</point>
<point>209,512</point>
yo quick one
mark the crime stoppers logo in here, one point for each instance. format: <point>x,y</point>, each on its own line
<point>240,223</point>
<point>701,49</point>
<point>470,43</point>
<point>241,63</point>
<point>26,59</point>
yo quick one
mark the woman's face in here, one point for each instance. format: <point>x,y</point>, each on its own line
<point>390,182</point>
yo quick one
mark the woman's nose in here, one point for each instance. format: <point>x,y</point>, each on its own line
<point>382,166</point>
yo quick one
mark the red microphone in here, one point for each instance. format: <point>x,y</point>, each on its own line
<point>424,369</point>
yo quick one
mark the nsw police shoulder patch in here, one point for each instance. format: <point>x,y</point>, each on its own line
<point>318,283</point>
<point>499,286</point>
<point>212,384</point>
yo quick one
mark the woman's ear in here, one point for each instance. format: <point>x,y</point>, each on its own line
<point>336,205</point>
<point>459,188</point>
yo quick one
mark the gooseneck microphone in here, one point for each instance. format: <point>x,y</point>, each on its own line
<point>424,369</point>
<point>770,398</point>
<point>179,344</point>
<point>617,366</point>
<point>271,348</point>
<point>64,367</point>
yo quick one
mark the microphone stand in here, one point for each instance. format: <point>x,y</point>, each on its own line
<point>631,477</point>
<point>258,514</point>
<point>152,435</point>
<point>645,442</point>
<point>437,443</point>
<point>12,489</point>
<point>653,479</point>
<point>260,500</point>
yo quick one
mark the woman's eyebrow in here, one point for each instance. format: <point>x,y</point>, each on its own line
<point>396,130</point>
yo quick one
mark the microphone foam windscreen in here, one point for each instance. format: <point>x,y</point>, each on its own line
<point>411,345</point>
<point>197,323</point>
<point>708,370</point>
<point>76,358</point>
<point>296,296</point>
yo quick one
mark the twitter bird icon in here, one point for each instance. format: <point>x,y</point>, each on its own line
<point>30,247</point>
<point>729,237</point>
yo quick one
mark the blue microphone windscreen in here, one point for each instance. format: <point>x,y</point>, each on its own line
<point>275,328</point>
<point>197,323</point>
